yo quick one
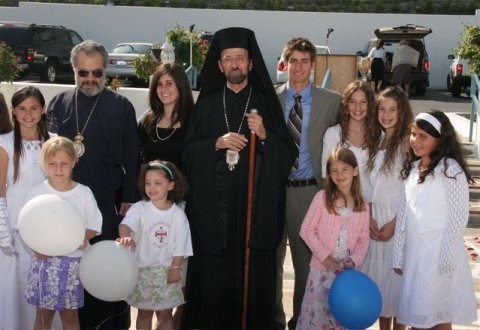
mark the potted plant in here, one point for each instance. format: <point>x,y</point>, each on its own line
<point>180,38</point>
<point>145,65</point>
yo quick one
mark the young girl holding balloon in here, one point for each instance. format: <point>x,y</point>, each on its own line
<point>53,282</point>
<point>19,171</point>
<point>336,231</point>
<point>390,131</point>
<point>158,230</point>
<point>437,287</point>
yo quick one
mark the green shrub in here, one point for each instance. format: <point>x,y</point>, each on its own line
<point>145,66</point>
<point>469,47</point>
<point>9,68</point>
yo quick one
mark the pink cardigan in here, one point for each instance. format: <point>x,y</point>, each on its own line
<point>320,230</point>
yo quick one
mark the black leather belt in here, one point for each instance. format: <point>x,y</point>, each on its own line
<point>301,183</point>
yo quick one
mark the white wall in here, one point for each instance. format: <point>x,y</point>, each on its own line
<point>110,25</point>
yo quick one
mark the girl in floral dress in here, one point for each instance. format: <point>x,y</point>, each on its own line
<point>53,283</point>
<point>158,230</point>
<point>336,231</point>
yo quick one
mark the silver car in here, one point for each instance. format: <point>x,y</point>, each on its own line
<point>121,57</point>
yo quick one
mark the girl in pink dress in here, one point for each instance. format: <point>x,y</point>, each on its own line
<point>336,231</point>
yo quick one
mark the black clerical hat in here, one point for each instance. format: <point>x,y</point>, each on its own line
<point>212,79</point>
<point>234,38</point>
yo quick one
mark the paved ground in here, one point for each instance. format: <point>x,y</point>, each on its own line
<point>440,100</point>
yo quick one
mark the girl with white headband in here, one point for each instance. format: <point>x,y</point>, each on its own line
<point>437,288</point>
<point>158,230</point>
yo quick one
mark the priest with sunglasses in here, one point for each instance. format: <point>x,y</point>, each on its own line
<point>103,126</point>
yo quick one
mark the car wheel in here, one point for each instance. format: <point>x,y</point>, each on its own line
<point>420,88</point>
<point>50,72</point>
<point>449,83</point>
<point>456,88</point>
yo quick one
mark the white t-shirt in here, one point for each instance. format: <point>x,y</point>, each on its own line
<point>377,53</point>
<point>82,198</point>
<point>160,235</point>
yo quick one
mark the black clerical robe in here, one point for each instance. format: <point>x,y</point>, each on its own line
<point>216,209</point>
<point>108,167</point>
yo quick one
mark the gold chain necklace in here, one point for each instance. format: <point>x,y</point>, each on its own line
<point>78,144</point>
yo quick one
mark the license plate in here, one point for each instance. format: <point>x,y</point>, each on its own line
<point>121,63</point>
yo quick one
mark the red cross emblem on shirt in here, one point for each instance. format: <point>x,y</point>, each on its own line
<point>162,234</point>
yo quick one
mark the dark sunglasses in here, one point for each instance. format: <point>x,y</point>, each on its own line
<point>97,73</point>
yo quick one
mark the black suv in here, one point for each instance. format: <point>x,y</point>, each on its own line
<point>415,35</point>
<point>41,49</point>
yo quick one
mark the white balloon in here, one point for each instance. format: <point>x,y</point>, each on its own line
<point>108,271</point>
<point>51,225</point>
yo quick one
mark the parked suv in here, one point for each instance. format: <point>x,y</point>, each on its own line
<point>458,76</point>
<point>415,35</point>
<point>41,49</point>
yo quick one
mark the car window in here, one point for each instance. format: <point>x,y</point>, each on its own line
<point>75,37</point>
<point>131,49</point>
<point>141,49</point>
<point>43,36</point>
<point>123,49</point>
<point>391,46</point>
<point>14,36</point>
<point>62,37</point>
<point>322,50</point>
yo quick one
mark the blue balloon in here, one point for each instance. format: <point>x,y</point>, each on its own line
<point>355,300</point>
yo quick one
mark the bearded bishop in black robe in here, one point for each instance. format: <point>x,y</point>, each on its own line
<point>217,203</point>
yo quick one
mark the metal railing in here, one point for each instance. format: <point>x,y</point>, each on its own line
<point>192,73</point>
<point>327,79</point>
<point>474,87</point>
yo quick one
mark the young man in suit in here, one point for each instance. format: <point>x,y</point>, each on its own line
<point>308,110</point>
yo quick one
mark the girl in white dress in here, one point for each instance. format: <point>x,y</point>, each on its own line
<point>358,107</point>
<point>391,130</point>
<point>437,288</point>
<point>7,261</point>
<point>158,230</point>
<point>19,172</point>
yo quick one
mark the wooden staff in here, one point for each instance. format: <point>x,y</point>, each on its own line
<point>246,268</point>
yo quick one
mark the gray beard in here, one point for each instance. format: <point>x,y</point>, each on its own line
<point>236,79</point>
<point>90,92</point>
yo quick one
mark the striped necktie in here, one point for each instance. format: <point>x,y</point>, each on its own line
<point>295,123</point>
